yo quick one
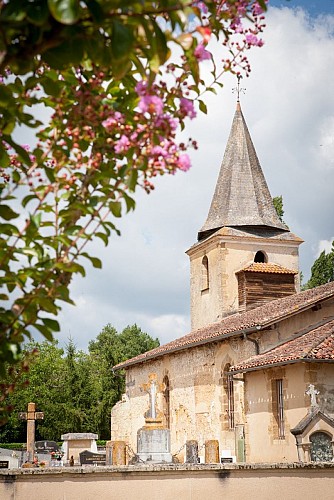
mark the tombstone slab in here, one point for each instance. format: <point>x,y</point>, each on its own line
<point>153,445</point>
<point>77,442</point>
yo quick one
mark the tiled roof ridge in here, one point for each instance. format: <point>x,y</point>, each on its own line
<point>281,354</point>
<point>261,316</point>
<point>268,267</point>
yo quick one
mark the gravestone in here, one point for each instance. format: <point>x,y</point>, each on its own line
<point>9,459</point>
<point>91,458</point>
<point>46,446</point>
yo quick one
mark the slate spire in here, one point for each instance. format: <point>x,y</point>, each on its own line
<point>242,197</point>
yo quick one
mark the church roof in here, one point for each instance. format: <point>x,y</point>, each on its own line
<point>249,321</point>
<point>314,345</point>
<point>242,197</point>
<point>266,267</point>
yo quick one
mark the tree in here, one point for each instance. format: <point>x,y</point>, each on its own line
<point>118,80</point>
<point>322,270</point>
<point>278,204</point>
<point>74,389</point>
<point>106,351</point>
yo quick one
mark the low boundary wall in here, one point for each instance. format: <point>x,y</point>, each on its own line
<point>169,482</point>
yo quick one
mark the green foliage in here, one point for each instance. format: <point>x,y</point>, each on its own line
<point>278,204</point>
<point>115,91</point>
<point>322,270</point>
<point>75,390</point>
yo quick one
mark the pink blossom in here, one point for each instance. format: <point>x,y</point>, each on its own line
<point>201,53</point>
<point>252,39</point>
<point>166,120</point>
<point>187,107</point>
<point>257,9</point>
<point>202,7</point>
<point>151,104</point>
<point>183,162</point>
<point>122,145</point>
<point>158,151</point>
<point>141,87</point>
<point>113,120</point>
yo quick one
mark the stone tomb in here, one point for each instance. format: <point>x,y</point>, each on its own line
<point>77,442</point>
<point>153,440</point>
<point>9,459</point>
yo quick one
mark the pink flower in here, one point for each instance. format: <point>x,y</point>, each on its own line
<point>151,104</point>
<point>141,87</point>
<point>201,53</point>
<point>183,162</point>
<point>187,107</point>
<point>257,9</point>
<point>158,151</point>
<point>113,120</point>
<point>166,120</point>
<point>252,39</point>
<point>122,145</point>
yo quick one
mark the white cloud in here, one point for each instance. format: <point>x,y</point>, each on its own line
<point>289,109</point>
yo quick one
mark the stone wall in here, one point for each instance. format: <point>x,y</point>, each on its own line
<point>262,440</point>
<point>251,482</point>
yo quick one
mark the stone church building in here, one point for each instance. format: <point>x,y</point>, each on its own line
<point>256,372</point>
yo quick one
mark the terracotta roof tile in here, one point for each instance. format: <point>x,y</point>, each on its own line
<point>257,318</point>
<point>315,345</point>
<point>266,267</point>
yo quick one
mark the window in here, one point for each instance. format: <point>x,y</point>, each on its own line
<point>321,447</point>
<point>278,407</point>
<point>230,399</point>
<point>260,257</point>
<point>205,273</point>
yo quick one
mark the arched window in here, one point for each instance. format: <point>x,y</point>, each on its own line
<point>205,273</point>
<point>321,448</point>
<point>260,257</point>
<point>166,401</point>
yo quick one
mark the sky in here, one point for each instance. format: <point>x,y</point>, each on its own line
<point>289,109</point>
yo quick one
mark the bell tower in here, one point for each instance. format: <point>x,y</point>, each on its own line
<point>245,256</point>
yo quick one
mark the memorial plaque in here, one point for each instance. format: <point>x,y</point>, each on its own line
<point>4,464</point>
<point>46,446</point>
<point>226,460</point>
<point>91,458</point>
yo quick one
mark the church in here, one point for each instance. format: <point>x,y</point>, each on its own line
<point>256,372</point>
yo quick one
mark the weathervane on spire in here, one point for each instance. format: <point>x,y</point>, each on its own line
<point>238,89</point>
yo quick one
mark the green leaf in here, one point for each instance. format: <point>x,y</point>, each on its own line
<point>52,324</point>
<point>7,213</point>
<point>102,237</point>
<point>65,11</point>
<point>97,263</point>
<point>121,40</point>
<point>96,10</point>
<point>202,106</point>
<point>116,208</point>
<point>44,330</point>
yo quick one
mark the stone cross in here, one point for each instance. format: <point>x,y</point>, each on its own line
<point>152,388</point>
<point>313,392</point>
<point>31,416</point>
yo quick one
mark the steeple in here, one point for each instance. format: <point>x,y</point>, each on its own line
<point>242,197</point>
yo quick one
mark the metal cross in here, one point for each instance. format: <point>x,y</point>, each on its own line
<point>313,392</point>
<point>238,89</point>
<point>31,416</point>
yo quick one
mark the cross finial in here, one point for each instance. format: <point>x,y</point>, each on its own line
<point>313,392</point>
<point>238,89</point>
